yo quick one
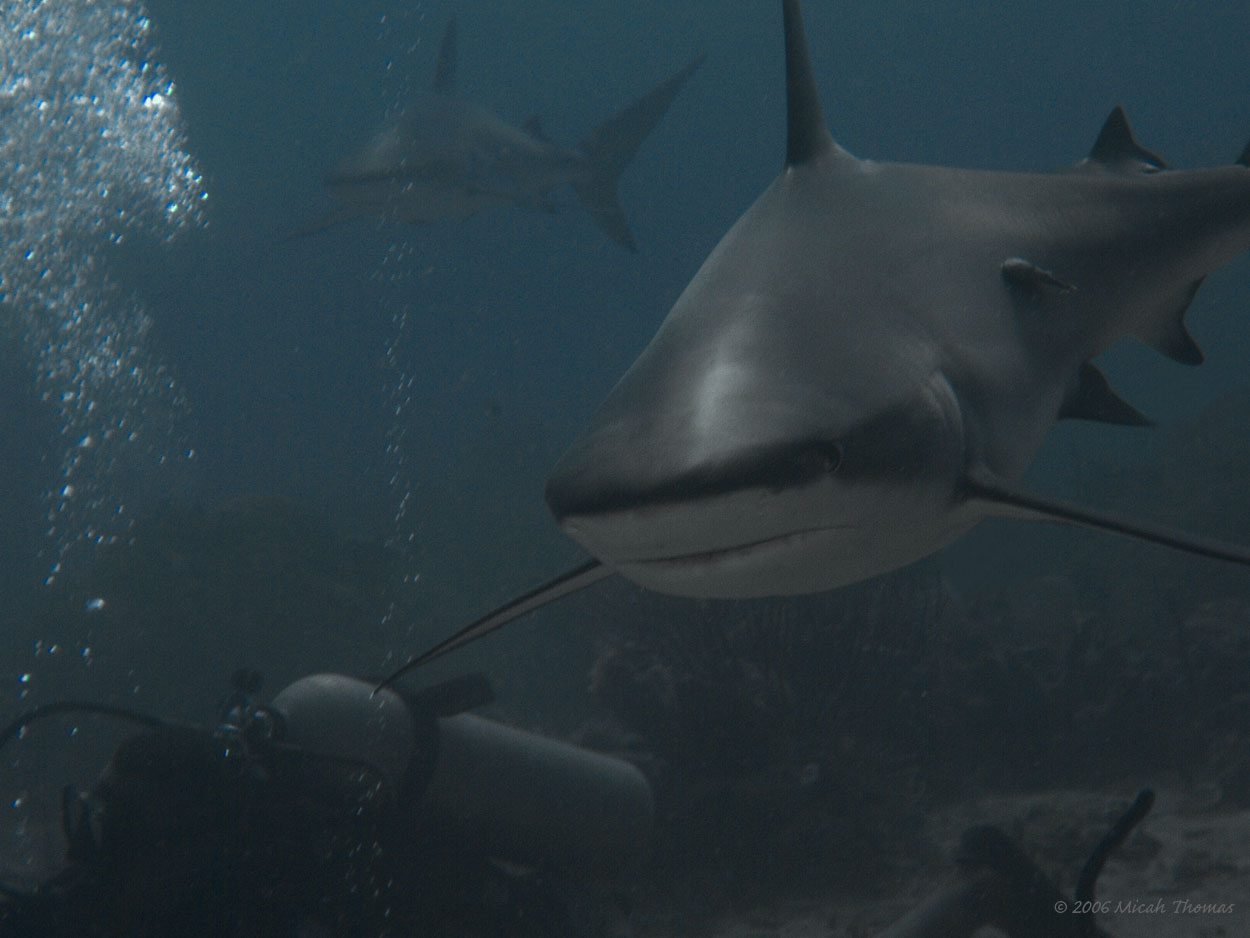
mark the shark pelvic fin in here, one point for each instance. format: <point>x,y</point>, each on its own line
<point>1091,398</point>
<point>1004,500</point>
<point>609,148</point>
<point>1117,149</point>
<point>580,577</point>
<point>445,67</point>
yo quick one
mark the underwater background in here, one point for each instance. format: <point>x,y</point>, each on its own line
<point>221,447</point>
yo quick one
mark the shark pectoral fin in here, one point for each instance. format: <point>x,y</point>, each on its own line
<point>1091,398</point>
<point>1027,276</point>
<point>1001,499</point>
<point>574,580</point>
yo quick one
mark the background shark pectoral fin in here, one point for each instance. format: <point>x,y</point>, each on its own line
<point>580,577</point>
<point>1092,398</point>
<point>1001,499</point>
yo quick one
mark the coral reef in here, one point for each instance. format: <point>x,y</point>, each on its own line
<point>784,736</point>
<point>797,744</point>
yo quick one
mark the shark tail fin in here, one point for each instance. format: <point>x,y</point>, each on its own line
<point>609,148</point>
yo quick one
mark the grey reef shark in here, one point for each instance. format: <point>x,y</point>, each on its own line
<point>446,157</point>
<point>868,361</point>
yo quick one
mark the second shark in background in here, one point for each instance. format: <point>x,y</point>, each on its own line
<point>446,157</point>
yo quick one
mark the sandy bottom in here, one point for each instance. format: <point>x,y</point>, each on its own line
<point>1185,871</point>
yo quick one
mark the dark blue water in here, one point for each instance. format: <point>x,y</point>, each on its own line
<point>415,385</point>
<point>290,355</point>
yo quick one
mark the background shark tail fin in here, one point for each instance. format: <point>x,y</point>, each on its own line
<point>609,148</point>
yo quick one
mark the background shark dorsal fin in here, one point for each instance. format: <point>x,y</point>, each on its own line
<point>807,135</point>
<point>1004,500</point>
<point>1244,159</point>
<point>1117,149</point>
<point>445,67</point>
<point>1091,398</point>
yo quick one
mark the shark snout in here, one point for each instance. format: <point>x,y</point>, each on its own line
<point>778,503</point>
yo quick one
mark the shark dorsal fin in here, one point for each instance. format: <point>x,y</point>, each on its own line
<point>807,135</point>
<point>1092,398</point>
<point>1117,149</point>
<point>445,68</point>
<point>1003,500</point>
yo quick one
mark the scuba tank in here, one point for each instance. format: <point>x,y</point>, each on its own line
<point>517,795</point>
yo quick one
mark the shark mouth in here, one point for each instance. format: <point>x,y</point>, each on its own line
<point>744,550</point>
<point>783,561</point>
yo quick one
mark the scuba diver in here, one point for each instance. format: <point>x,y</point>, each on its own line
<point>334,811</point>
